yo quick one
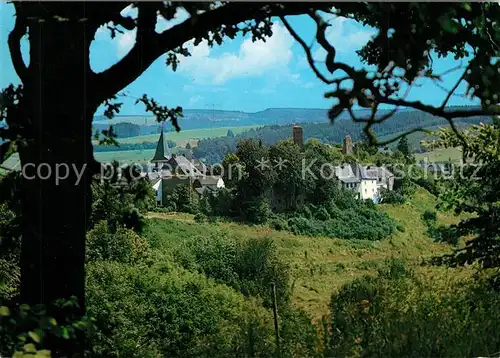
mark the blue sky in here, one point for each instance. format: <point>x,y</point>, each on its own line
<point>238,75</point>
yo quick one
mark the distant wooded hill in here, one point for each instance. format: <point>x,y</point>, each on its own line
<point>214,149</point>
<point>276,126</point>
<point>203,118</point>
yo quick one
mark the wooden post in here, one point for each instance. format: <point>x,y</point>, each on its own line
<point>276,325</point>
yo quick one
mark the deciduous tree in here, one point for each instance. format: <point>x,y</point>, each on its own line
<point>50,116</point>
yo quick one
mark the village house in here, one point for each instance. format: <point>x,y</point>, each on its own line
<point>366,181</point>
<point>385,179</point>
<point>172,170</point>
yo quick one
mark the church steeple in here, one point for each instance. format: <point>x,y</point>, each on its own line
<point>162,153</point>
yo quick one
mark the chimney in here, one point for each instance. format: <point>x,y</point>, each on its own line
<point>347,148</point>
<point>298,136</point>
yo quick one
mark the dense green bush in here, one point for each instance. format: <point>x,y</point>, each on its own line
<point>440,233</point>
<point>321,214</point>
<point>392,197</point>
<point>169,312</point>
<point>25,330</point>
<point>122,205</point>
<point>181,200</point>
<point>395,314</point>
<point>256,211</point>
<point>361,222</point>
<point>278,224</point>
<point>248,266</point>
<point>429,217</point>
<point>122,245</point>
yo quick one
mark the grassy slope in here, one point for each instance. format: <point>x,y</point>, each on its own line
<point>441,155</point>
<point>180,139</point>
<point>322,265</point>
<point>125,155</point>
<point>184,135</point>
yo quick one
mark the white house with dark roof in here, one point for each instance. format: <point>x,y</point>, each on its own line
<point>366,181</point>
<point>173,170</point>
<point>385,179</point>
<point>208,184</point>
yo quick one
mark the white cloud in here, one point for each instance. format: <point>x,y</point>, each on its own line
<point>180,16</point>
<point>125,42</point>
<point>193,100</point>
<point>252,59</point>
<point>346,35</point>
<point>129,11</point>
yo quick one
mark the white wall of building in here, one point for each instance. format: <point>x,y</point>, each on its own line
<point>220,183</point>
<point>368,189</point>
<point>159,191</point>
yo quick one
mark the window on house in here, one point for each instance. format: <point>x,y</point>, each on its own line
<point>365,191</point>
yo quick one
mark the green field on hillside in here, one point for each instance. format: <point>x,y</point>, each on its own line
<point>441,155</point>
<point>322,265</point>
<point>181,137</point>
<point>135,156</point>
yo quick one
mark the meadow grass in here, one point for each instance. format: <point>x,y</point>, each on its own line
<point>132,156</point>
<point>180,138</point>
<point>441,155</point>
<point>321,265</point>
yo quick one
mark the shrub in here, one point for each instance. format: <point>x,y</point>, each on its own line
<point>392,197</point>
<point>304,226</point>
<point>442,233</point>
<point>305,212</point>
<point>249,266</point>
<point>25,330</point>
<point>166,311</point>
<point>256,211</point>
<point>395,314</point>
<point>360,223</point>
<point>200,218</point>
<point>122,245</point>
<point>429,217</point>
<point>321,214</point>
<point>278,224</point>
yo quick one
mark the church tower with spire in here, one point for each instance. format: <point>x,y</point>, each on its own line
<point>162,153</point>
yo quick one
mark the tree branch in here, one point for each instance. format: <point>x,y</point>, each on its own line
<point>142,56</point>
<point>307,50</point>
<point>14,42</point>
<point>450,93</point>
<point>443,113</point>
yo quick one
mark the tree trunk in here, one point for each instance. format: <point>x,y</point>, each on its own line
<point>56,170</point>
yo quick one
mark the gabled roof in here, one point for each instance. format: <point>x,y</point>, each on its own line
<point>379,172</point>
<point>354,173</point>
<point>185,166</point>
<point>12,163</point>
<point>345,174</point>
<point>385,150</point>
<point>162,153</point>
<point>361,172</point>
<point>208,180</point>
